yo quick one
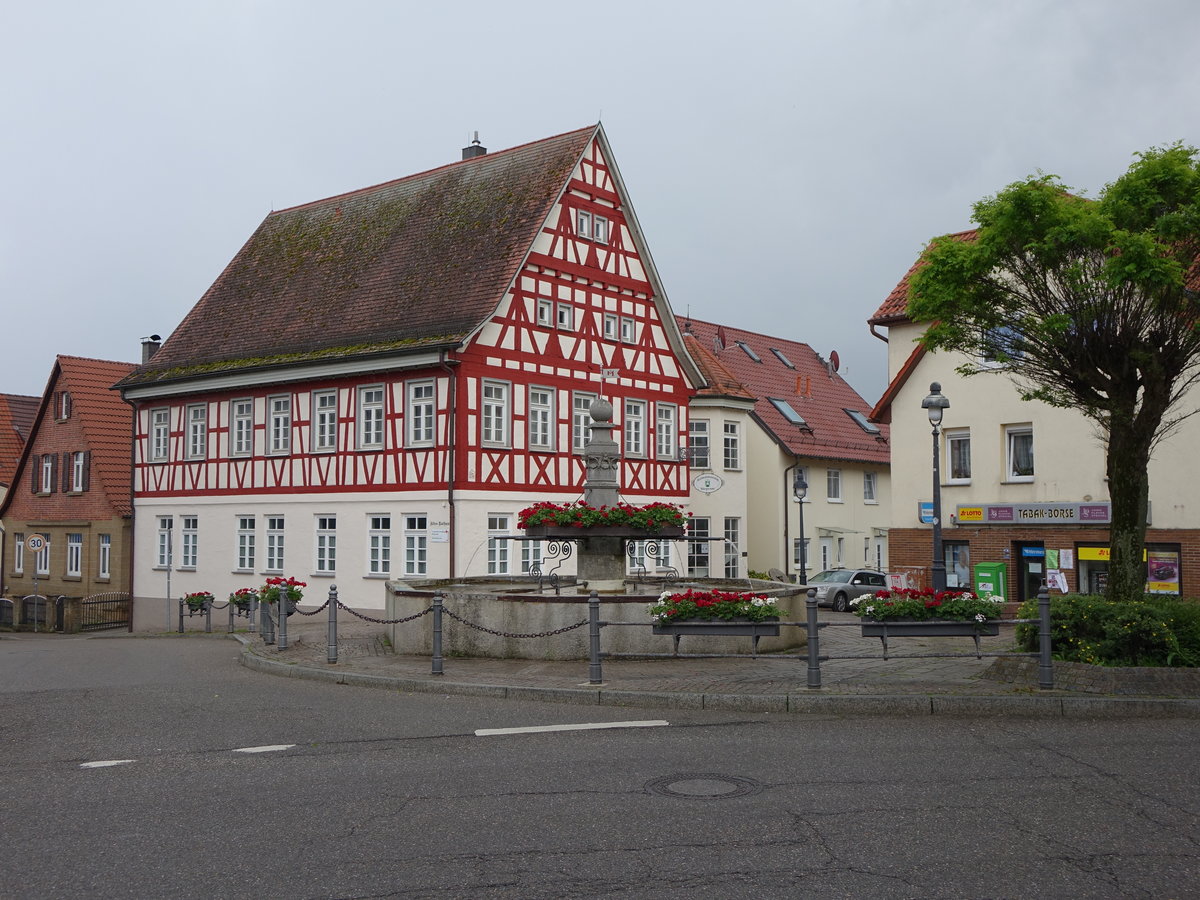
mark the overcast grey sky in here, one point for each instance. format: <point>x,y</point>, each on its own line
<point>787,161</point>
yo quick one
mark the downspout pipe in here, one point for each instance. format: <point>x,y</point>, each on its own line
<point>787,518</point>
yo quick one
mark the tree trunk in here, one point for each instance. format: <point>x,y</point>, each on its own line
<point>1129,490</point>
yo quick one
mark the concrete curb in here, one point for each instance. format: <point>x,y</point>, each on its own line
<point>816,703</point>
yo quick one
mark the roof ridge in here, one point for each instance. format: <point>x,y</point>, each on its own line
<point>490,155</point>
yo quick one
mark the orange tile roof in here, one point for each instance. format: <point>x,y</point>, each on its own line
<point>816,392</point>
<point>414,263</point>
<point>895,307</point>
<point>16,419</point>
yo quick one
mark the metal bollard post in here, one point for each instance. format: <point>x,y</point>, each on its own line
<point>181,617</point>
<point>232,610</point>
<point>595,673</point>
<point>331,639</point>
<point>1045,663</point>
<point>253,616</point>
<point>437,635</point>
<point>207,617</point>
<point>814,640</point>
<point>268,626</point>
<point>281,605</point>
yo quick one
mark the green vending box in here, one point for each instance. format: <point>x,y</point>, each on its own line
<point>990,579</point>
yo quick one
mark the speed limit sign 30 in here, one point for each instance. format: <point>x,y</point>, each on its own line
<point>35,543</point>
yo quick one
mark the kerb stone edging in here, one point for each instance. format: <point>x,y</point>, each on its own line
<point>1031,706</point>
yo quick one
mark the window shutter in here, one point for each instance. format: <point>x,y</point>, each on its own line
<point>66,472</point>
<point>35,483</point>
<point>57,400</point>
<point>87,469</point>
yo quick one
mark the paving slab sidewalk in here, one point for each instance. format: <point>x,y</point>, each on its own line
<point>855,680</point>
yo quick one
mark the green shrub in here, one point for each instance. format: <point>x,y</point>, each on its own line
<point>1153,631</point>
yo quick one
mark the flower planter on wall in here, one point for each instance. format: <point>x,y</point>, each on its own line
<point>929,628</point>
<point>570,532</point>
<point>719,628</point>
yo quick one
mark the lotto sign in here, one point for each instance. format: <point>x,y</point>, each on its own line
<point>35,543</point>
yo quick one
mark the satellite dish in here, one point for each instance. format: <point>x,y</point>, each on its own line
<point>834,361</point>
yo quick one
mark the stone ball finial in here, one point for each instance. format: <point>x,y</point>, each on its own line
<point>601,410</point>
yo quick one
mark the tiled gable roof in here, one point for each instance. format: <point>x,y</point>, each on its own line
<point>895,307</point>
<point>415,263</point>
<point>719,381</point>
<point>819,395</point>
<point>16,419</point>
<point>106,421</point>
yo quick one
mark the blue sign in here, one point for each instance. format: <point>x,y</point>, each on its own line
<point>925,512</point>
<point>1031,552</point>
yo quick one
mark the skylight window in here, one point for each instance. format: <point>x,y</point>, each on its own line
<point>750,353</point>
<point>785,409</point>
<point>783,359</point>
<point>861,421</point>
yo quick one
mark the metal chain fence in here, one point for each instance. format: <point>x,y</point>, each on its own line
<point>510,634</point>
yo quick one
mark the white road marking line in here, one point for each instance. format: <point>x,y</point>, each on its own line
<point>269,748</point>
<point>105,763</point>
<point>583,726</point>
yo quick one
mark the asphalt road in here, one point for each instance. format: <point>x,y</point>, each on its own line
<point>378,794</point>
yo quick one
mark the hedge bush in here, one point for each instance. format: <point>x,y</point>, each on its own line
<point>1154,631</point>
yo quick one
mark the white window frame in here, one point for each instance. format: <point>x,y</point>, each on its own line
<point>699,556</point>
<point>78,470</point>
<point>498,555</point>
<point>583,224</point>
<point>564,316</point>
<point>165,550</point>
<point>732,546</point>
<point>634,427</point>
<point>957,437</point>
<point>197,430</point>
<point>732,447</point>
<point>325,544</point>
<point>41,561</point>
<point>599,229</point>
<point>47,468</point>
<point>545,312</point>
<point>379,544</point>
<point>324,421</point>
<point>422,413</point>
<point>698,438</point>
<point>833,485</point>
<point>371,408</point>
<point>494,413</point>
<point>189,541</point>
<point>581,419</point>
<point>1011,434</point>
<point>871,487</point>
<point>416,544</point>
<point>665,430</point>
<point>800,550</point>
<point>160,434</point>
<point>275,543</point>
<point>64,405</point>
<point>628,330</point>
<point>241,427</point>
<point>104,556</point>
<point>74,567</point>
<point>280,418</point>
<point>531,556</point>
<point>246,544</point>
<point>18,553</point>
<point>540,417</point>
<point>611,327</point>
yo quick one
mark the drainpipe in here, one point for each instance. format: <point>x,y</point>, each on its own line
<point>787,499</point>
<point>452,450</point>
<point>129,568</point>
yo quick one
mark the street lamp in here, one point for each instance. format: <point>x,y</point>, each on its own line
<point>800,491</point>
<point>934,404</point>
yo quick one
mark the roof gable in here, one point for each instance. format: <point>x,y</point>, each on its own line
<point>895,306</point>
<point>808,385</point>
<point>410,264</point>
<point>17,413</point>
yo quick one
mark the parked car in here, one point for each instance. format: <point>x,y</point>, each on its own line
<point>837,587</point>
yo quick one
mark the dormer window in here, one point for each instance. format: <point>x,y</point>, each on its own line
<point>861,421</point>
<point>750,353</point>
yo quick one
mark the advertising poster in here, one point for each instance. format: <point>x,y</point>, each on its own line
<point>1162,572</point>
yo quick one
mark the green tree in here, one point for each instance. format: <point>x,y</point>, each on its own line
<point>1090,305</point>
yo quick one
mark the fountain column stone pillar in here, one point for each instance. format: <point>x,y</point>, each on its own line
<point>601,559</point>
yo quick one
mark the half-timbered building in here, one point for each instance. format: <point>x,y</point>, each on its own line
<point>379,381</point>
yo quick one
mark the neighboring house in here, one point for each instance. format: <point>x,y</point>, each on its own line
<point>71,485</point>
<point>774,407</point>
<point>378,382</point>
<point>1022,483</point>
<point>16,420</point>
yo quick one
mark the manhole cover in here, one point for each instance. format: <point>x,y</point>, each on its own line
<point>705,786</point>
